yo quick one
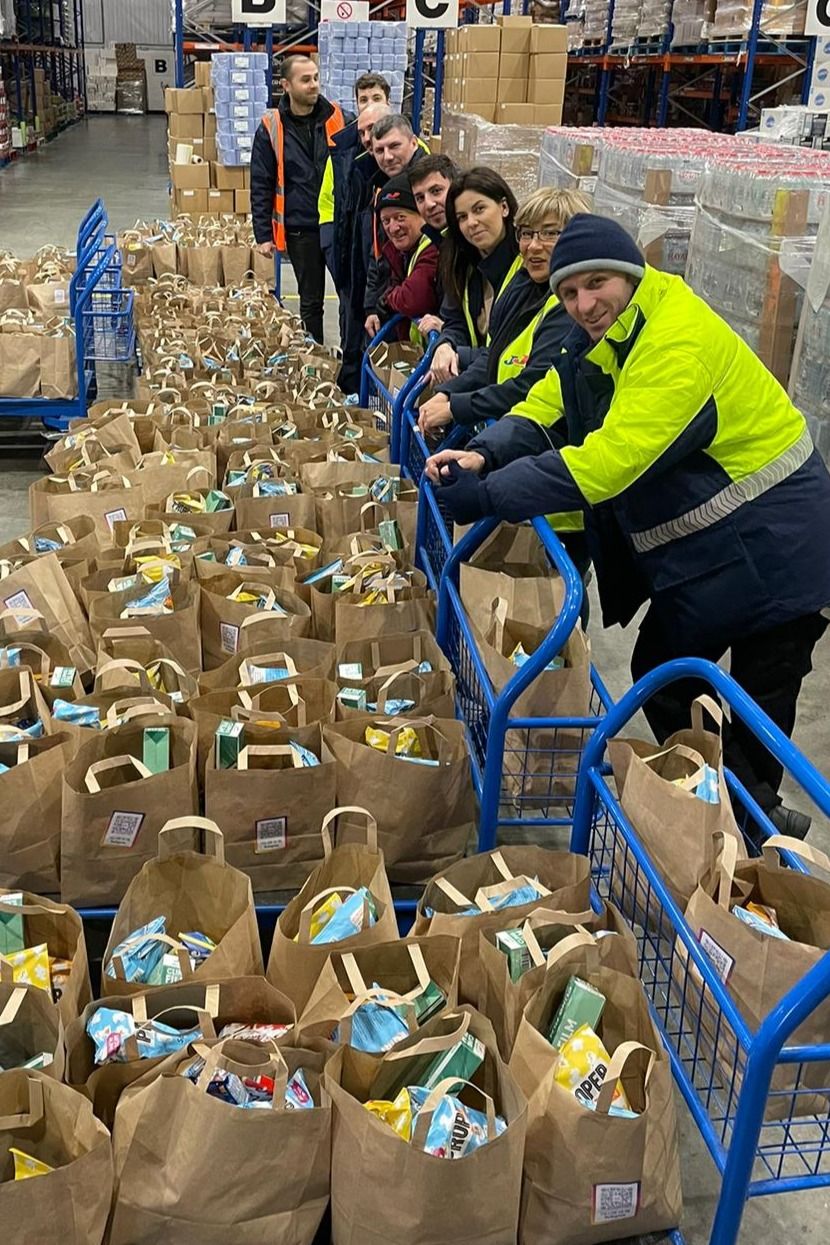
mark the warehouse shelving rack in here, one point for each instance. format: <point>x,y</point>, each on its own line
<point>45,41</point>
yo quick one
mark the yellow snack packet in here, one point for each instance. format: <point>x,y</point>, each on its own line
<point>321,916</point>
<point>397,1114</point>
<point>25,1166</point>
<point>583,1063</point>
<point>408,744</point>
<point>244,598</point>
<point>30,967</point>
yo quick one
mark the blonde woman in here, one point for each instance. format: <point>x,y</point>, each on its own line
<point>527,324</point>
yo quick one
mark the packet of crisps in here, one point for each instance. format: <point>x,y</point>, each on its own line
<point>29,967</point>
<point>25,1166</point>
<point>397,1114</point>
<point>407,743</point>
<point>582,1068</point>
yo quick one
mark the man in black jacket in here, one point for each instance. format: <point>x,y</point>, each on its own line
<point>290,152</point>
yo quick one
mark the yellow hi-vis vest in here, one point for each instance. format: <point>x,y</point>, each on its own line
<point>325,199</point>
<point>468,315</point>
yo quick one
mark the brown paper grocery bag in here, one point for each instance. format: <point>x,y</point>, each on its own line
<point>43,588</point>
<point>590,1176</point>
<point>43,654</point>
<point>269,809</point>
<point>426,814</point>
<point>209,1007</point>
<point>474,1198</point>
<point>19,360</point>
<point>388,654</point>
<point>178,631</point>
<point>104,497</point>
<point>263,266</point>
<point>403,967</point>
<point>203,264</point>
<point>301,656</point>
<point>223,618</point>
<point>113,809</point>
<point>562,878</point>
<point>503,1000</point>
<point>165,259</point>
<point>430,694</point>
<point>30,1025</point>
<point>193,892</point>
<point>675,828</point>
<point>511,564</point>
<point>60,928</point>
<point>236,262</point>
<point>295,963</point>
<point>163,1195</point>
<point>54,1124</point>
<point>58,368</point>
<point>356,618</point>
<point>255,512</point>
<point>31,798</point>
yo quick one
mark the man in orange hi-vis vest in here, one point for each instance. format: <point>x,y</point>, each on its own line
<point>290,151</point>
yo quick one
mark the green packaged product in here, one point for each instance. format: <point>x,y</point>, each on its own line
<point>429,1002</point>
<point>229,741</point>
<point>581,1005</point>
<point>156,749</point>
<point>11,925</point>
<point>512,943</point>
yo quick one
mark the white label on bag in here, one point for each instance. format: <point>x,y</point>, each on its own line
<point>19,601</point>
<point>123,829</point>
<point>271,834</point>
<point>228,637</point>
<point>60,297</point>
<point>279,520</point>
<point>615,1201</point>
<point>722,961</point>
<point>115,516</point>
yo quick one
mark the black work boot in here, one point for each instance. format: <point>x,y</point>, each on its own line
<point>789,821</point>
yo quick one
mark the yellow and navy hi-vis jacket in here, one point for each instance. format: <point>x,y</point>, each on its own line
<point>698,477</point>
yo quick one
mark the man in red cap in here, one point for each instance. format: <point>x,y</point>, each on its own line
<point>407,274</point>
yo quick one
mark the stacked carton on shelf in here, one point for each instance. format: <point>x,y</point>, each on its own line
<point>101,79</point>
<point>349,49</point>
<point>201,182</point>
<point>511,73</point>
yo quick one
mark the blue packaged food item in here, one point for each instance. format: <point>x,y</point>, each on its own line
<point>140,951</point>
<point>526,890</point>
<point>80,715</point>
<point>306,756</point>
<point>110,1031</point>
<point>44,545</point>
<point>297,1094</point>
<point>198,945</point>
<point>455,1129</point>
<point>348,918</point>
<point>276,488</point>
<point>155,601</point>
<point>24,728</point>
<point>376,1027</point>
<point>758,923</point>
<point>707,788</point>
<point>393,707</point>
<point>228,1087</point>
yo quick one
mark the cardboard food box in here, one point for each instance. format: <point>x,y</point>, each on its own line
<point>202,73</point>
<point>516,39</point>
<point>209,120</point>
<point>242,201</point>
<point>192,201</point>
<point>547,91</point>
<point>183,100</point>
<point>514,114</point>
<point>186,125</point>
<point>210,150</point>
<point>227,177</point>
<point>511,91</point>
<point>487,112</point>
<point>220,201</point>
<point>549,39</point>
<point>513,65</point>
<point>477,91</point>
<point>479,65</point>
<point>547,114</point>
<point>547,66</point>
<point>479,39</point>
<point>208,99</point>
<point>190,176</point>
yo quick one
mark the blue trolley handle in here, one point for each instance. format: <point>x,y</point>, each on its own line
<point>366,365</point>
<point>807,994</point>
<point>93,244</point>
<point>89,223</point>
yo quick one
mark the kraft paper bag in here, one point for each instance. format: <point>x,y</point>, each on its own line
<point>178,630</point>
<point>676,828</point>
<point>165,259</point>
<point>31,793</point>
<point>591,1176</point>
<point>561,880</point>
<point>110,432</point>
<point>257,512</point>
<point>193,892</point>
<point>295,962</point>
<point>757,969</point>
<point>236,262</point>
<point>431,694</point>
<point>114,808</point>
<point>386,1189</point>
<point>511,564</point>
<point>203,264</point>
<point>54,1124</point>
<point>248,667</point>
<point>163,1194</point>
<point>403,968</point>
<point>19,362</point>
<point>58,367</point>
<point>270,807</point>
<point>49,298</point>
<point>503,1000</point>
<point>185,1005</point>
<point>30,1026</point>
<point>263,266</point>
<point>222,618</point>
<point>426,814</point>
<point>42,588</point>
<point>60,928</point>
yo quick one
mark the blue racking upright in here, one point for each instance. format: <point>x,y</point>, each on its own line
<point>47,49</point>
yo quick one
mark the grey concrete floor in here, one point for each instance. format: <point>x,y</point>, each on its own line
<point>123,159</point>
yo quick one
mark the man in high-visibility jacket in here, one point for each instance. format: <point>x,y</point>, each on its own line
<point>408,268</point>
<point>289,155</point>
<point>701,488</point>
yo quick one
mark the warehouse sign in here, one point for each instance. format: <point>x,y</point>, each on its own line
<point>432,14</point>
<point>817,21</point>
<point>344,11</point>
<point>258,12</point>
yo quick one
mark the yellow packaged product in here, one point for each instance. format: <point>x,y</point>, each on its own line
<point>25,1166</point>
<point>407,744</point>
<point>30,967</point>
<point>397,1114</point>
<point>321,916</point>
<point>582,1067</point>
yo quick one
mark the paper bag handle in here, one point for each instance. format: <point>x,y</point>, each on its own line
<point>5,664</point>
<point>784,843</point>
<point>221,1056</point>
<point>371,827</point>
<point>213,835</point>
<point>25,685</point>
<point>460,900</point>
<point>616,1064</point>
<point>12,1007</point>
<point>137,707</point>
<point>306,913</point>
<point>435,1095</point>
<point>11,1123</point>
<point>108,763</point>
<point>712,708</point>
<point>580,938</point>
<point>356,980</point>
<point>210,1008</point>
<point>439,1042</point>
<point>268,750</point>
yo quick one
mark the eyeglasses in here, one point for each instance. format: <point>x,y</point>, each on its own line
<point>548,233</point>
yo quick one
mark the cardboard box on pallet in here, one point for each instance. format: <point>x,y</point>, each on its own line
<point>511,91</point>
<point>201,73</point>
<point>548,92</point>
<point>479,39</point>
<point>544,66</point>
<point>186,125</point>
<point>227,177</point>
<point>220,201</point>
<point>186,100</point>
<point>190,176</point>
<point>193,202</point>
<point>242,201</point>
<point>549,39</point>
<point>514,114</point>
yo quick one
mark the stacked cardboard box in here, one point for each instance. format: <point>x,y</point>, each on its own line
<point>200,183</point>
<point>512,72</point>
<point>101,78</point>
<point>512,150</point>
<point>131,80</point>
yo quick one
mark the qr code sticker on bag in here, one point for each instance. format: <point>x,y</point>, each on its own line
<point>271,834</point>
<point>721,960</point>
<point>228,637</point>
<point>122,829</point>
<point>615,1201</point>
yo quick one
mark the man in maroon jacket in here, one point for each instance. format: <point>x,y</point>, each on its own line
<point>407,274</point>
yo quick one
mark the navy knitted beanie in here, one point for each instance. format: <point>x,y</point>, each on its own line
<point>590,243</point>
<point>397,193</point>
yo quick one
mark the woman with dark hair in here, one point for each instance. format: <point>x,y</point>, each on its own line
<point>479,258</point>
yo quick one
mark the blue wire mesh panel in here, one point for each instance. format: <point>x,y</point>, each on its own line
<point>710,1048</point>
<point>434,539</point>
<point>379,399</point>
<point>109,332</point>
